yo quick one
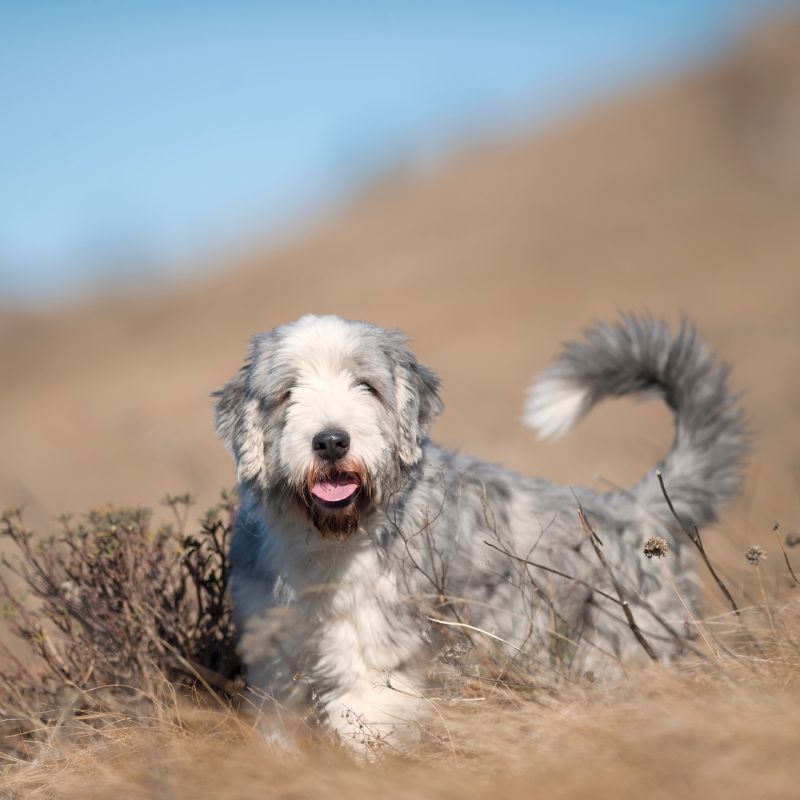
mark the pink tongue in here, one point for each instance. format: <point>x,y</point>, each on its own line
<point>335,490</point>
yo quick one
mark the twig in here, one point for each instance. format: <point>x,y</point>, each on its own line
<point>647,606</point>
<point>594,539</point>
<point>410,691</point>
<point>694,537</point>
<point>453,624</point>
<point>549,601</point>
<point>776,529</point>
<point>554,571</point>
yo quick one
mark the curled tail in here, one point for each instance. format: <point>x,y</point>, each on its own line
<point>703,468</point>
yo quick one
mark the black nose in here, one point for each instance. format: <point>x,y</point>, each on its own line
<point>331,445</point>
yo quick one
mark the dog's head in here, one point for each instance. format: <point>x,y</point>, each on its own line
<point>329,413</point>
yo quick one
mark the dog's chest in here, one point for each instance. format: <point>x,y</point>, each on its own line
<point>350,602</point>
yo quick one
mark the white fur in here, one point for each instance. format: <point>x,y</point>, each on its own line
<point>554,406</point>
<point>327,398</point>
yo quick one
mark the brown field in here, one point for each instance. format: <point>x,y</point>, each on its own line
<point>731,734</point>
<point>684,198</point>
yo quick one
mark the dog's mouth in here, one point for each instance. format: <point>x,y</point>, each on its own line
<point>335,495</point>
<point>336,490</point>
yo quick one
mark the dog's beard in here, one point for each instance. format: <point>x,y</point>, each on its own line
<point>337,518</point>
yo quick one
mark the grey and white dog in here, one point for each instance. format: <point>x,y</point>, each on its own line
<point>363,539</point>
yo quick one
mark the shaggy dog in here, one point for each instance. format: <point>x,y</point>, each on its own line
<point>359,542</point>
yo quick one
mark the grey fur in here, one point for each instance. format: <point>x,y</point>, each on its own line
<point>639,354</point>
<point>432,513</point>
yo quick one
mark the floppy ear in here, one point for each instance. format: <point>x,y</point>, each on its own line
<point>239,422</point>
<point>418,401</point>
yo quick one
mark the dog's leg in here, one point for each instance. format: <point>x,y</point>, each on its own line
<point>378,713</point>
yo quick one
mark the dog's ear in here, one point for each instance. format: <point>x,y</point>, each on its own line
<point>418,400</point>
<point>238,417</point>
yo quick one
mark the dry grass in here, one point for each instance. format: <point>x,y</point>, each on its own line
<point>696,732</point>
<point>727,724</point>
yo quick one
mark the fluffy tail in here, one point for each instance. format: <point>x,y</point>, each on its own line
<point>703,468</point>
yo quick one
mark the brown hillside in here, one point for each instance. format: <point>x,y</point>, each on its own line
<point>685,197</point>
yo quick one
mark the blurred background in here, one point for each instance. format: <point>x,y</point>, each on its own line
<point>488,177</point>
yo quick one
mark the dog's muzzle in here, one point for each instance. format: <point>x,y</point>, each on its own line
<point>336,487</point>
<point>336,480</point>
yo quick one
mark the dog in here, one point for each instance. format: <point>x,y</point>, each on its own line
<point>360,544</point>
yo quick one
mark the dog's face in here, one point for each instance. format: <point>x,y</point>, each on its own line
<point>330,414</point>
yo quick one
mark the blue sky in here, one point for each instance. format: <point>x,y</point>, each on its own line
<point>134,136</point>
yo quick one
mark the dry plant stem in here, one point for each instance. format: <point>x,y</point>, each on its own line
<point>711,648</point>
<point>545,568</point>
<point>694,537</point>
<point>488,635</point>
<point>410,691</point>
<point>766,603</point>
<point>650,610</point>
<point>594,539</point>
<point>776,529</point>
<point>544,595</point>
<point>212,681</point>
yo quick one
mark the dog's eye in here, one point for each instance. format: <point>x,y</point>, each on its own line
<point>369,387</point>
<point>275,403</point>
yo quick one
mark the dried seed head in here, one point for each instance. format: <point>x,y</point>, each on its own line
<point>755,554</point>
<point>656,546</point>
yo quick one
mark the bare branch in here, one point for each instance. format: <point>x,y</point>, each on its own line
<point>597,545</point>
<point>694,536</point>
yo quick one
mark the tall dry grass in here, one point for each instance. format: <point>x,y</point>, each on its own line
<point>725,722</point>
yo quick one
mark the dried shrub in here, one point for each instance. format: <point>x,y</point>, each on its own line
<point>114,609</point>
